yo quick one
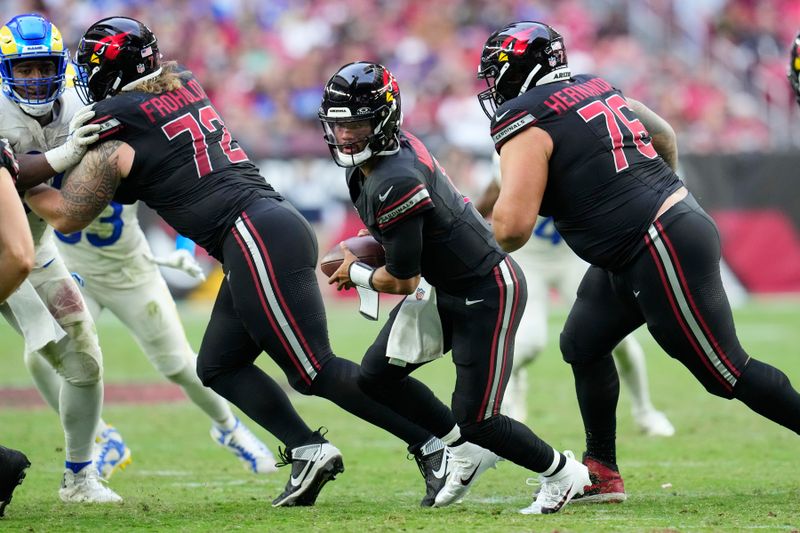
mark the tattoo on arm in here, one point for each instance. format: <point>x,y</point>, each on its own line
<point>90,186</point>
<point>660,131</point>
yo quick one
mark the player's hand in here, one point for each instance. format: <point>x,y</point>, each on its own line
<point>362,232</point>
<point>81,136</point>
<point>182,260</point>
<point>342,275</point>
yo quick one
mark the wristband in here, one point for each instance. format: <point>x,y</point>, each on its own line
<point>361,274</point>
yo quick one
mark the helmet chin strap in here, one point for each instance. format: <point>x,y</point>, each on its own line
<point>38,110</point>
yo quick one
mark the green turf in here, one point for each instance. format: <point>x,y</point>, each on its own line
<point>726,469</point>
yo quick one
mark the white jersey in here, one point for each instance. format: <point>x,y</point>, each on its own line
<point>27,136</point>
<point>111,250</point>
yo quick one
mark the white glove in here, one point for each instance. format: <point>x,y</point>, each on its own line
<point>81,135</point>
<point>182,260</point>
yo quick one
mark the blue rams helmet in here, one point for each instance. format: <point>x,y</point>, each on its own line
<point>32,37</point>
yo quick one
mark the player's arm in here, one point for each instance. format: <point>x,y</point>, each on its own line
<point>38,168</point>
<point>664,140</point>
<point>16,243</point>
<point>86,190</point>
<point>524,165</point>
<point>401,274</point>
<point>486,201</point>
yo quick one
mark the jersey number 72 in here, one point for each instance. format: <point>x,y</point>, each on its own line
<point>209,123</point>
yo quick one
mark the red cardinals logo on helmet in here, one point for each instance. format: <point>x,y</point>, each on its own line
<point>518,42</point>
<point>109,46</point>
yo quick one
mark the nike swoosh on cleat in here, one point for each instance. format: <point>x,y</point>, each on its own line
<point>469,479</point>
<point>296,481</point>
<point>561,502</point>
<point>442,470</point>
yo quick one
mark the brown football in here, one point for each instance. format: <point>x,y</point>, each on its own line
<point>367,249</point>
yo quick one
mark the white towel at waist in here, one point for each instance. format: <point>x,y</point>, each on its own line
<point>416,335</point>
<point>28,314</point>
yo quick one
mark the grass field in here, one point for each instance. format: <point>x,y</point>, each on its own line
<point>725,470</point>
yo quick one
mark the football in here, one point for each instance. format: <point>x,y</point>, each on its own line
<point>367,249</point>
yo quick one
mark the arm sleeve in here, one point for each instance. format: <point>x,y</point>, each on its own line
<point>508,122</point>
<point>403,245</point>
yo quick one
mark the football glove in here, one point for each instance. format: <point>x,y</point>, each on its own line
<point>182,260</point>
<point>81,136</point>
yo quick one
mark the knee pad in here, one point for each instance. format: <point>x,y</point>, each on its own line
<point>173,364</point>
<point>571,353</point>
<point>76,357</point>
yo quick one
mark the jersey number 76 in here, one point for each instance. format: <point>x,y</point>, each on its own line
<point>611,111</point>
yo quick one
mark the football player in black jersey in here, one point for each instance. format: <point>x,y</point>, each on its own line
<point>163,142</point>
<point>428,229</point>
<point>574,148</point>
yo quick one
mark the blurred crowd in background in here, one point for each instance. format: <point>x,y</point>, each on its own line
<point>716,69</point>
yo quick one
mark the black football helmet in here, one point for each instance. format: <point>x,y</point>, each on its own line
<point>113,53</point>
<point>361,92</point>
<point>520,56</point>
<point>794,68</point>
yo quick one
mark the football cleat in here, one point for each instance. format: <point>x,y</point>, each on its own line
<point>606,486</point>
<point>254,454</point>
<point>467,462</point>
<point>433,461</point>
<point>110,453</point>
<point>313,465</point>
<point>653,423</point>
<point>13,464</point>
<point>557,490</point>
<point>86,487</point>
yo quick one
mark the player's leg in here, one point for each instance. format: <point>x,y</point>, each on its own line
<point>682,296</point>
<point>78,360</point>
<point>149,313</point>
<point>530,339</point>
<point>628,357</point>
<point>598,321</point>
<point>483,353</point>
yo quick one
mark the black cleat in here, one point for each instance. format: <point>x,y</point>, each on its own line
<point>313,465</point>
<point>433,461</point>
<point>12,471</point>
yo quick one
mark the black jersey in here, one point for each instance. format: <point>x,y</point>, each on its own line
<point>605,180</point>
<point>457,244</point>
<point>187,166</point>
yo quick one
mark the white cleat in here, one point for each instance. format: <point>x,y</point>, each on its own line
<point>653,423</point>
<point>557,490</point>
<point>86,487</point>
<point>467,462</point>
<point>254,454</point>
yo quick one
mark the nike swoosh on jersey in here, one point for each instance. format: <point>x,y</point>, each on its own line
<point>636,294</point>
<point>442,470</point>
<point>385,195</point>
<point>501,115</point>
<point>472,302</point>
<point>296,481</point>
<point>471,476</point>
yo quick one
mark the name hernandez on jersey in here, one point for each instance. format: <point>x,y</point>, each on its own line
<point>457,244</point>
<point>605,181</point>
<point>187,166</point>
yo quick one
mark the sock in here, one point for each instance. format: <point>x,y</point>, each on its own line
<point>206,399</point>
<point>453,437</point>
<point>79,408</point>
<point>597,388</point>
<point>559,460</point>
<point>338,382</point>
<point>76,467</point>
